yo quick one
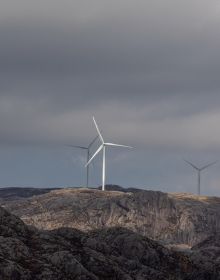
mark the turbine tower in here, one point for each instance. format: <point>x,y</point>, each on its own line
<point>199,171</point>
<point>87,149</point>
<point>103,148</point>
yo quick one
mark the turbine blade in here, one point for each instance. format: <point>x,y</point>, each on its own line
<point>191,164</point>
<point>93,141</point>
<point>79,147</point>
<point>208,165</point>
<point>117,145</point>
<point>99,149</point>
<point>97,128</point>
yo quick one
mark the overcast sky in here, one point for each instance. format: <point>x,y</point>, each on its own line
<point>149,71</point>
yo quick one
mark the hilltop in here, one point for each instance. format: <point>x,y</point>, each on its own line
<point>15,193</point>
<point>170,218</point>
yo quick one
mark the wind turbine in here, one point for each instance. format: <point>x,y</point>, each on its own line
<point>103,148</point>
<point>199,171</point>
<point>87,149</point>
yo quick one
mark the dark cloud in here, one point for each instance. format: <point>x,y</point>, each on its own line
<point>149,72</point>
<point>44,78</point>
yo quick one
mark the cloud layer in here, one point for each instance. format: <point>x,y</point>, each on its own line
<point>148,71</point>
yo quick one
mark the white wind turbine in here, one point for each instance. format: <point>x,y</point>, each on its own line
<point>199,172</point>
<point>87,149</point>
<point>103,147</point>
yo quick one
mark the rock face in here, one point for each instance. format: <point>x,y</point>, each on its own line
<point>66,253</point>
<point>170,218</point>
<point>207,252</point>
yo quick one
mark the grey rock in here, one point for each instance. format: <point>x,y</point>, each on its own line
<point>168,218</point>
<point>109,253</point>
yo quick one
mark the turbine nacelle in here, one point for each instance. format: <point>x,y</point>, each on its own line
<point>105,145</point>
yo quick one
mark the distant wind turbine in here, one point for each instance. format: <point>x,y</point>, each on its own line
<point>88,156</point>
<point>103,147</point>
<point>199,171</point>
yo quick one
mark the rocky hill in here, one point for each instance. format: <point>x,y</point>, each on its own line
<point>168,218</point>
<point>65,254</point>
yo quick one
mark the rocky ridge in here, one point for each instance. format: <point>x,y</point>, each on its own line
<point>168,218</point>
<point>15,193</point>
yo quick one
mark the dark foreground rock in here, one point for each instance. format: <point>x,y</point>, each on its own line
<point>207,253</point>
<point>65,253</point>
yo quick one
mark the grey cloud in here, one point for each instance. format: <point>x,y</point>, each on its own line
<point>153,67</point>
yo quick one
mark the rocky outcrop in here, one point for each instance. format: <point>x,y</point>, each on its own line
<point>66,253</point>
<point>207,253</point>
<point>168,218</point>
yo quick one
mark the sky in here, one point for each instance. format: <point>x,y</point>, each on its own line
<point>147,70</point>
